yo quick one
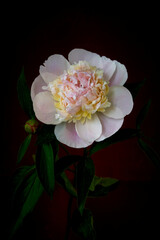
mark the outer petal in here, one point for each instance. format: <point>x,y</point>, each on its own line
<point>43,105</point>
<point>37,85</point>
<point>90,130</point>
<point>80,54</point>
<point>121,99</point>
<point>66,133</point>
<point>120,75</point>
<point>109,126</point>
<point>53,67</point>
<point>109,68</point>
<point>114,112</point>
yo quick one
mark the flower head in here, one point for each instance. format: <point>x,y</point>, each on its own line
<point>84,97</point>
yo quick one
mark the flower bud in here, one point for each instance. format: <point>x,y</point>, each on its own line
<point>31,126</point>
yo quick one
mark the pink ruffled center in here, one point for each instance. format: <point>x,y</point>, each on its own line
<point>79,92</point>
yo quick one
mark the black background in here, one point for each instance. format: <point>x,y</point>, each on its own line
<point>129,34</point>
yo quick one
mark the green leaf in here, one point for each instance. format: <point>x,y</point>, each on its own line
<point>24,95</point>
<point>28,193</point>
<point>65,162</point>
<point>83,224</point>
<point>23,148</point>
<point>143,113</point>
<point>45,167</point>
<point>84,176</point>
<point>103,181</point>
<point>134,88</point>
<point>18,177</point>
<point>96,180</point>
<point>121,135</point>
<point>108,182</point>
<point>150,152</point>
<point>63,180</point>
<point>102,186</point>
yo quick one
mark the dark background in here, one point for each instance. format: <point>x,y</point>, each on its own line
<point>129,34</point>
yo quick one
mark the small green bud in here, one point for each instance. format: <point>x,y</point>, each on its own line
<point>31,126</point>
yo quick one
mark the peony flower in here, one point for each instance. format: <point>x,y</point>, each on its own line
<point>83,97</point>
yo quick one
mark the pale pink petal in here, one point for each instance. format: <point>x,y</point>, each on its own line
<point>90,130</point>
<point>109,68</point>
<point>43,105</point>
<point>77,55</point>
<point>120,75</point>
<point>37,85</point>
<point>66,134</point>
<point>109,126</point>
<point>121,98</point>
<point>54,66</point>
<point>113,112</point>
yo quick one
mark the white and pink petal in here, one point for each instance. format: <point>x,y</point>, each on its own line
<point>67,134</point>
<point>77,55</point>
<point>113,112</point>
<point>109,126</point>
<point>121,102</point>
<point>90,130</point>
<point>37,86</point>
<point>109,68</point>
<point>45,111</point>
<point>120,75</point>
<point>54,66</point>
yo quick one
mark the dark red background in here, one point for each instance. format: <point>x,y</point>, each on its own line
<point>130,36</point>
